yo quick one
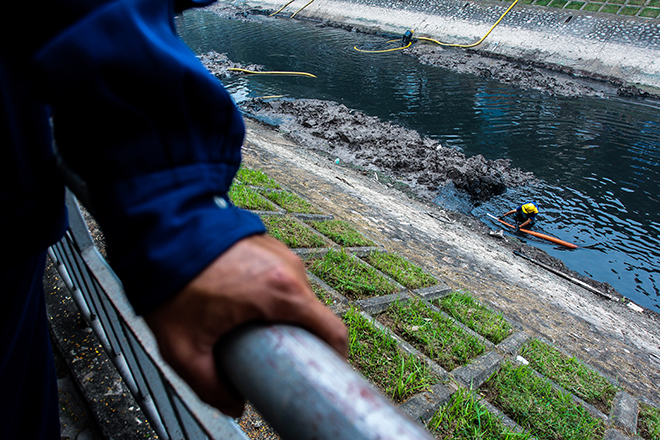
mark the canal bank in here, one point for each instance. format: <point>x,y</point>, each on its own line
<point>617,49</point>
<point>619,342</point>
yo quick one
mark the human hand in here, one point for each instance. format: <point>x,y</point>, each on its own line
<point>257,280</point>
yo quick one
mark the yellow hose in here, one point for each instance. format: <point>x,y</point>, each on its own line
<point>254,72</point>
<point>384,50</point>
<point>287,4</point>
<point>465,46</point>
<point>280,10</point>
<point>308,3</point>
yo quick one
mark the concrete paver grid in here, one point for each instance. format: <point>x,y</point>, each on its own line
<point>647,9</point>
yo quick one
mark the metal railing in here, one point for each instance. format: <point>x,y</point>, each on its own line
<point>301,387</point>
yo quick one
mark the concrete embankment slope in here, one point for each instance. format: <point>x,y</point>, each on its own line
<point>616,340</point>
<point>601,46</point>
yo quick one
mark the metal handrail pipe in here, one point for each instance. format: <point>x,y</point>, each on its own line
<point>306,390</point>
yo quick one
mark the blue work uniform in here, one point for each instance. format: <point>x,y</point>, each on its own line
<point>153,135</point>
<point>526,211</point>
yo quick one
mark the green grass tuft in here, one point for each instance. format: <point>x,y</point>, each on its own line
<point>400,269</point>
<point>291,202</point>
<point>464,308</point>
<point>249,176</point>
<point>434,334</point>
<point>292,233</point>
<point>376,355</point>
<point>569,373</point>
<point>349,277</point>
<point>463,417</point>
<point>537,407</point>
<point>649,422</point>
<point>322,294</point>
<point>246,198</point>
<point>340,232</point>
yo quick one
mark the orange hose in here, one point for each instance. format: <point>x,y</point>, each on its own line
<point>543,236</point>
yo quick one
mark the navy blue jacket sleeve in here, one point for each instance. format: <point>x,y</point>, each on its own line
<point>156,138</point>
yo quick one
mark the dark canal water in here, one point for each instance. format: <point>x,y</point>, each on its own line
<point>597,157</point>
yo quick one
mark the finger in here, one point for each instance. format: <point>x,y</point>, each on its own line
<point>311,314</point>
<point>197,367</point>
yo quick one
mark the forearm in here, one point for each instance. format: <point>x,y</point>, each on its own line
<point>155,137</point>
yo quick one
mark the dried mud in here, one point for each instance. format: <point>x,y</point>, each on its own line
<point>367,142</point>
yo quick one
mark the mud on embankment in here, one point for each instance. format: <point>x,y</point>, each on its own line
<point>417,165</point>
<point>365,141</point>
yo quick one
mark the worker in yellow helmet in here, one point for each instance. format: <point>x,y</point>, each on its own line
<point>525,215</point>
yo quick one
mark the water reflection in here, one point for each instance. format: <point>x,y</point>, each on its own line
<point>598,158</point>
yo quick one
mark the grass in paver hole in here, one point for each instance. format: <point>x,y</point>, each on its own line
<point>628,10</point>
<point>249,176</point>
<point>322,295</point>
<point>569,373</point>
<point>432,333</point>
<point>291,202</point>
<point>340,232</point>
<point>575,5</point>
<point>349,277</point>
<point>592,7</point>
<point>375,354</point>
<point>464,308</point>
<point>650,13</point>
<point>463,417</point>
<point>400,270</point>
<point>537,407</point>
<point>246,198</point>
<point>610,9</point>
<point>291,232</point>
<point>649,422</point>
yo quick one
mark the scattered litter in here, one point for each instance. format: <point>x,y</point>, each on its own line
<point>498,234</point>
<point>635,307</point>
<point>442,218</point>
<point>522,360</point>
<point>655,360</point>
<point>337,161</point>
<point>343,180</point>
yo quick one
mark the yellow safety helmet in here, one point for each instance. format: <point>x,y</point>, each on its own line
<point>530,208</point>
